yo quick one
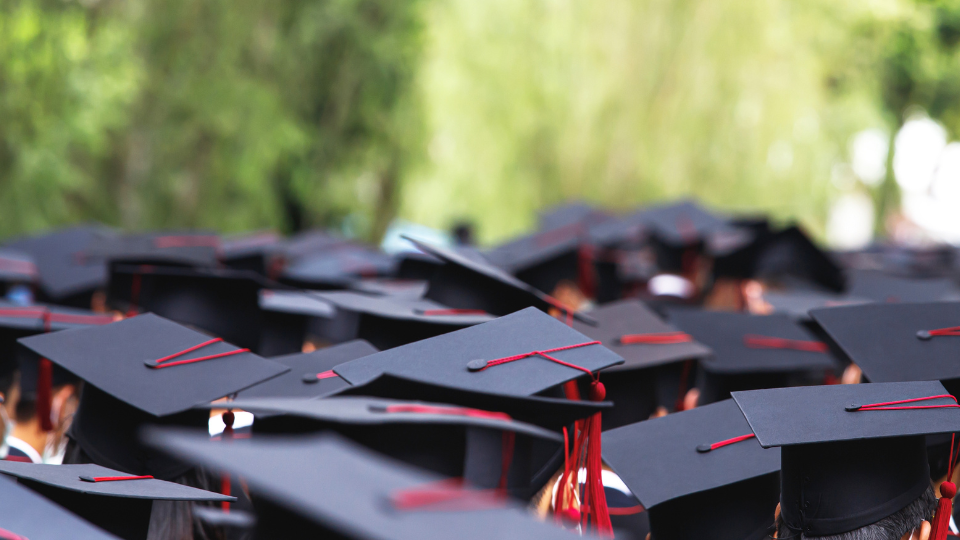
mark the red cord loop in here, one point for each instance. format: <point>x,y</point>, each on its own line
<point>448,495</point>
<point>886,406</point>
<point>663,338</point>
<point>95,479</point>
<point>158,364</point>
<point>446,312</point>
<point>49,316</point>
<point>7,535</point>
<point>311,378</point>
<point>704,448</point>
<point>480,365</point>
<point>767,342</point>
<point>452,411</point>
<point>929,334</point>
<point>163,242</point>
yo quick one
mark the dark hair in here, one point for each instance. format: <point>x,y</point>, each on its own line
<point>26,410</point>
<point>892,527</point>
<point>7,381</point>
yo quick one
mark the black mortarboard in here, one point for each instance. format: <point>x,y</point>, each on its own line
<point>188,248</point>
<point>310,373</point>
<point>693,491</point>
<point>390,321</point>
<point>547,257</point>
<point>16,268</point>
<point>337,268</point>
<point>457,358</point>
<point>404,288</point>
<point>65,276</point>
<point>897,342</point>
<point>851,454</point>
<point>648,346</point>
<point>126,390</point>
<point>224,302</point>
<point>250,251</point>
<point>466,282</point>
<point>313,317</point>
<point>546,412</point>
<point>450,440</point>
<point>25,515</point>
<point>790,254</point>
<point>686,224</point>
<point>310,242</point>
<point>881,287</point>
<point>294,499</point>
<point>570,213</point>
<point>751,351</point>
<point>102,496</point>
<point>416,265</point>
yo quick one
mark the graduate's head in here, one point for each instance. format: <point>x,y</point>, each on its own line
<point>909,523</point>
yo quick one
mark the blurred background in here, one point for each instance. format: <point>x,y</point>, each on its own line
<point>351,114</point>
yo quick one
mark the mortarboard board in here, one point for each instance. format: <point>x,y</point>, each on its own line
<point>686,223</point>
<point>751,351</point>
<point>416,265</point>
<point>310,373</point>
<point>451,440</point>
<point>187,248</point>
<point>145,370</point>
<point>881,287</point>
<point>466,282</point>
<point>25,515</point>
<point>65,277</point>
<point>337,268</point>
<point>897,342</point>
<point>390,321</point>
<point>570,213</point>
<point>112,500</point>
<point>250,251</point>
<point>224,302</point>
<point>652,351</point>
<point>294,499</point>
<point>798,304</point>
<point>697,474</point>
<point>851,454</point>
<point>404,288</point>
<point>454,358</point>
<point>547,257</point>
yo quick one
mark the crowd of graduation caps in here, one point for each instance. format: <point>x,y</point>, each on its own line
<point>178,385</point>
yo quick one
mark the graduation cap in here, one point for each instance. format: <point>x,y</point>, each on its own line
<point>700,473</point>
<point>466,282</point>
<point>314,317</point>
<point>115,501</point>
<point>16,268</point>
<point>403,288</point>
<point>569,213</point>
<point>751,351</point>
<point>798,304</point>
<point>145,370</point>
<point>337,268</point>
<point>378,497</point>
<point>65,276</point>
<point>416,265</point>
<point>658,360</point>
<point>250,251</point>
<point>25,515</point>
<point>791,254</point>
<point>450,440</point>
<point>187,248</point>
<point>686,224</point>
<point>311,374</point>
<point>547,257</point>
<point>390,321</point>
<point>851,454</point>
<point>224,302</point>
<point>882,287</point>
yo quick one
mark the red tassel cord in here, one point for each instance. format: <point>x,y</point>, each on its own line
<point>44,393</point>
<point>586,276</point>
<point>95,479</point>
<point>165,362</point>
<point>450,495</point>
<point>225,488</point>
<point>661,338</point>
<point>767,342</point>
<point>680,404</point>
<point>941,520</point>
<point>7,535</point>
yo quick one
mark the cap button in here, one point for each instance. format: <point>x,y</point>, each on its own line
<point>151,364</point>
<point>477,364</point>
<point>852,408</point>
<point>310,378</point>
<point>88,479</point>
<point>923,334</point>
<point>704,448</point>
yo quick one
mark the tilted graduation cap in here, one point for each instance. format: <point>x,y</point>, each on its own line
<point>752,351</point>
<point>657,360</point>
<point>700,473</point>
<point>569,213</point>
<point>377,496</point>
<point>465,282</point>
<point>250,251</point>
<point>65,276</point>
<point>851,454</point>
<point>311,374</point>
<point>791,254</point>
<point>686,223</point>
<point>547,257</point>
<point>450,440</point>
<point>115,501</point>
<point>389,321</point>
<point>24,515</point>
<point>224,302</point>
<point>145,370</point>
<point>881,287</point>
<point>898,342</point>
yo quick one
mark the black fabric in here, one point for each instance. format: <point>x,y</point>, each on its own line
<point>31,515</point>
<point>64,274</point>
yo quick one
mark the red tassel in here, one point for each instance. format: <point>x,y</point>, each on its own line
<point>228,418</point>
<point>594,499</point>
<point>44,393</point>
<point>941,521</point>
<point>586,278</point>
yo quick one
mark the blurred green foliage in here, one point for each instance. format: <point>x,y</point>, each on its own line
<point>288,114</point>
